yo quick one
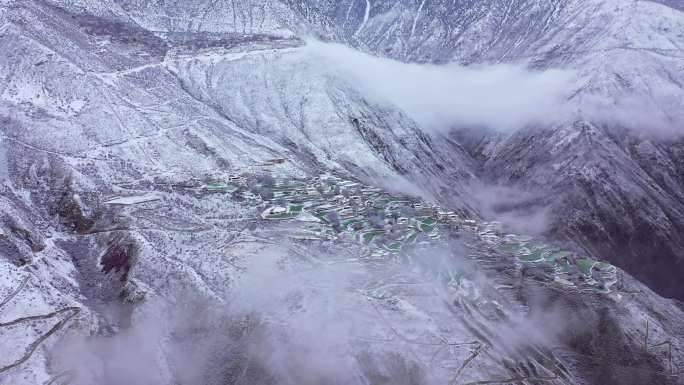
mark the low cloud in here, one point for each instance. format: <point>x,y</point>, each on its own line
<point>518,211</point>
<point>501,97</point>
<point>656,114</point>
<point>308,317</point>
<point>504,97</point>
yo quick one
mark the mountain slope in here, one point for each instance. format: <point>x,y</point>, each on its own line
<point>617,195</point>
<point>190,197</point>
<point>629,59</point>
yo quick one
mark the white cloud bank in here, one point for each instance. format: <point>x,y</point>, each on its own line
<point>500,97</point>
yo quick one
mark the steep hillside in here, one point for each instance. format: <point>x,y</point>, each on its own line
<point>614,163</point>
<point>189,196</point>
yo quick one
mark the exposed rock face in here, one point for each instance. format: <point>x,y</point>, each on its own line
<point>118,117</point>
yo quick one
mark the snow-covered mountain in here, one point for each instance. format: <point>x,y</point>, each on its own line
<point>620,190</point>
<point>144,143</point>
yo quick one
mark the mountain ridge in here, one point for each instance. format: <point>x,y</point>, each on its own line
<point>144,143</point>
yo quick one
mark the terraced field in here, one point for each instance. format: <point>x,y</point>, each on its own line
<point>330,208</point>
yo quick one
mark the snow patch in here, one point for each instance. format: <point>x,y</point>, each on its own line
<point>133,200</point>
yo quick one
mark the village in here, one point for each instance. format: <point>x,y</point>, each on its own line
<point>331,208</point>
<point>383,224</point>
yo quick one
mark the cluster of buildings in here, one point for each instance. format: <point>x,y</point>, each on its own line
<point>564,267</point>
<point>332,208</point>
<point>336,208</point>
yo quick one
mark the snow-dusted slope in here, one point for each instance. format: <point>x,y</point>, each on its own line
<point>117,264</point>
<point>629,59</point>
<point>617,195</point>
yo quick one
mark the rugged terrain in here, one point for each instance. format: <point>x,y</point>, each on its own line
<point>146,236</point>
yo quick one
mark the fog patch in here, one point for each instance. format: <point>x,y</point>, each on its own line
<point>307,318</point>
<point>298,316</point>
<point>518,210</point>
<point>655,115</point>
<point>501,97</point>
<point>504,97</point>
<point>398,184</point>
<point>127,357</point>
<point>290,319</point>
